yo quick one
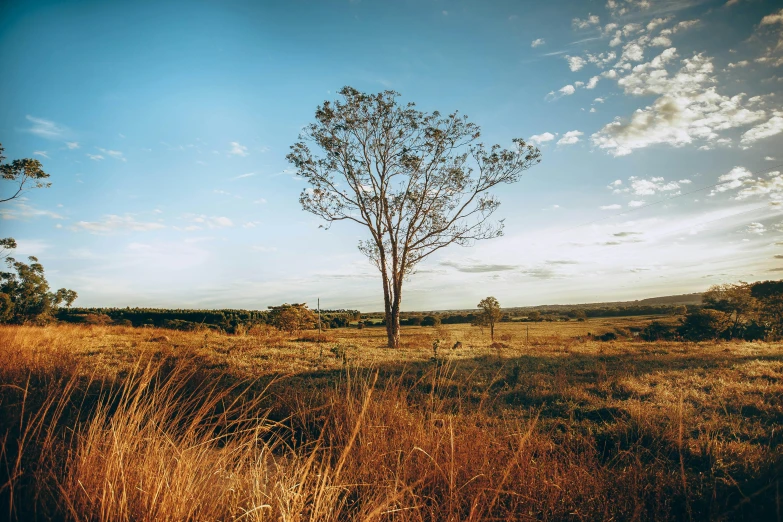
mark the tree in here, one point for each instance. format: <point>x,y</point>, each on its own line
<point>704,325</point>
<point>489,314</point>
<point>292,317</point>
<point>66,296</point>
<point>418,182</point>
<point>430,320</point>
<point>769,295</point>
<point>23,174</point>
<point>733,300</point>
<point>25,295</point>
<point>534,316</point>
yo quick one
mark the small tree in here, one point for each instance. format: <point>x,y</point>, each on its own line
<point>417,182</point>
<point>66,296</point>
<point>430,320</point>
<point>292,318</point>
<point>769,296</point>
<point>534,316</point>
<point>489,314</point>
<point>734,301</point>
<point>704,325</point>
<point>25,295</point>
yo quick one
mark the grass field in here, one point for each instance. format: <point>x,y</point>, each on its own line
<point>116,423</point>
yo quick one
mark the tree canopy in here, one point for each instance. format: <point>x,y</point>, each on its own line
<point>417,181</point>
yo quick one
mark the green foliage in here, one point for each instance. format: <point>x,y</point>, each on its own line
<point>658,331</point>
<point>418,182</point>
<point>26,296</point>
<point>430,320</point>
<point>23,174</point>
<point>292,317</point>
<point>704,325</point>
<point>489,314</point>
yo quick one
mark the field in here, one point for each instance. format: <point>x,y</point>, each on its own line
<point>117,423</point>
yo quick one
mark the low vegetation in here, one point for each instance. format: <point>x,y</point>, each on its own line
<point>120,423</point>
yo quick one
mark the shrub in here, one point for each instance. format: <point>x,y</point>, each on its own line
<point>704,325</point>
<point>658,331</point>
<point>430,320</point>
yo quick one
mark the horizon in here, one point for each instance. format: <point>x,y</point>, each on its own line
<point>165,132</point>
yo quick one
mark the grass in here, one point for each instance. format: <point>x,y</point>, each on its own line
<point>116,423</point>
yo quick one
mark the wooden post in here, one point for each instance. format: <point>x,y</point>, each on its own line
<point>319,318</point>
<point>527,334</point>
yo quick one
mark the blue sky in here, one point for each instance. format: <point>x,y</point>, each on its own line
<point>165,127</point>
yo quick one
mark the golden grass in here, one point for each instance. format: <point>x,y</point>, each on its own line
<point>116,423</point>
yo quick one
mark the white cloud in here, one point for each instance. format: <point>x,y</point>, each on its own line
<point>538,42</point>
<point>648,187</point>
<point>688,109</point>
<point>769,158</point>
<point>756,228</point>
<point>611,207</point>
<point>208,221</point>
<point>769,128</point>
<point>636,203</point>
<point>568,90</point>
<point>775,18</point>
<point>45,128</point>
<point>741,63</point>
<point>21,210</point>
<point>41,153</point>
<point>237,149</point>
<point>260,201</point>
<point>771,187</point>
<point>249,174</point>
<point>633,52</point>
<point>601,59</point>
<point>113,223</point>
<point>661,41</point>
<point>655,22</point>
<point>590,21</point>
<point>575,62</point>
<point>570,137</point>
<point>95,157</point>
<point>593,82</point>
<point>731,180</point>
<point>113,153</point>
<point>538,139</point>
<point>72,145</point>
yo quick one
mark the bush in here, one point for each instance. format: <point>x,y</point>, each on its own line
<point>608,336</point>
<point>430,320</point>
<point>704,325</point>
<point>658,331</point>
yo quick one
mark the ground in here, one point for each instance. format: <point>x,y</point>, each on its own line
<point>546,423</point>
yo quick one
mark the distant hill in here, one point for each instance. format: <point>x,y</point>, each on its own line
<point>668,300</point>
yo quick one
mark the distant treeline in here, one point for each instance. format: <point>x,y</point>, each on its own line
<point>233,320</point>
<point>228,320</point>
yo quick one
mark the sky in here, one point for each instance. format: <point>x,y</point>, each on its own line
<point>165,126</point>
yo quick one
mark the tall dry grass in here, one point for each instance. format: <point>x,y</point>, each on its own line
<point>162,437</point>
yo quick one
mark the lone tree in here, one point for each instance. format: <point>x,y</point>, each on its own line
<point>489,314</point>
<point>417,181</point>
<point>292,317</point>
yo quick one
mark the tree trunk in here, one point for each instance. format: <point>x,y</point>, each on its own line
<point>492,331</point>
<point>393,328</point>
<point>392,304</point>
